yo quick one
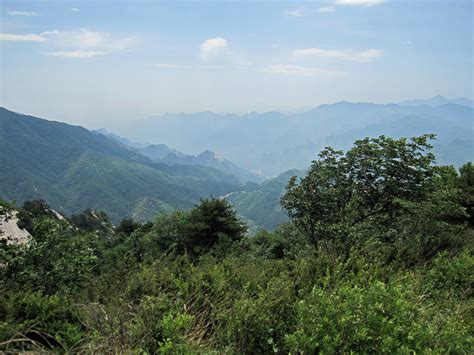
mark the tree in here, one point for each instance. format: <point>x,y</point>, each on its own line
<point>167,234</point>
<point>207,222</point>
<point>127,226</point>
<point>92,221</point>
<point>466,185</point>
<point>55,259</point>
<point>342,192</point>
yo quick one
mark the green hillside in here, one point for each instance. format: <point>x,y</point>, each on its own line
<point>260,204</point>
<point>73,169</point>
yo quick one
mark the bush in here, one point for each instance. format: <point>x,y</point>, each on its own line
<point>33,321</point>
<point>373,316</point>
<point>452,274</point>
<point>157,328</point>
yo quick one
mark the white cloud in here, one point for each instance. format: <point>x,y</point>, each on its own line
<point>299,12</point>
<point>76,54</point>
<point>74,9</point>
<point>359,2</point>
<point>164,65</point>
<point>301,71</point>
<point>296,12</point>
<point>79,40</point>
<point>342,54</point>
<point>81,43</point>
<point>85,40</point>
<point>22,38</point>
<point>49,33</point>
<point>21,13</point>
<point>326,9</point>
<point>213,47</point>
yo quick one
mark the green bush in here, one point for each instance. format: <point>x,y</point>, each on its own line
<point>256,322</point>
<point>377,317</point>
<point>157,328</point>
<point>453,274</point>
<point>32,321</point>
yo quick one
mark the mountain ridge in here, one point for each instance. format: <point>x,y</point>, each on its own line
<point>275,142</point>
<point>73,168</point>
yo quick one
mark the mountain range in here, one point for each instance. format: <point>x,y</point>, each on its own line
<point>73,168</point>
<point>161,153</point>
<point>273,142</point>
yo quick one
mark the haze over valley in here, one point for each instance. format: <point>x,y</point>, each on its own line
<point>273,142</point>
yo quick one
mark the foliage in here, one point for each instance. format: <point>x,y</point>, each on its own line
<point>195,282</point>
<point>342,193</point>
<point>373,317</point>
<point>91,221</point>
<point>75,169</point>
<point>56,259</point>
<point>33,320</point>
<point>466,184</point>
<point>207,222</point>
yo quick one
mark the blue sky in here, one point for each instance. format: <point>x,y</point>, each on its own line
<point>104,63</point>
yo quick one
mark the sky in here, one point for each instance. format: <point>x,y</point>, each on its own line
<point>107,63</point>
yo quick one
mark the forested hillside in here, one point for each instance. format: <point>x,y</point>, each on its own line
<point>259,205</point>
<point>74,169</point>
<point>376,257</point>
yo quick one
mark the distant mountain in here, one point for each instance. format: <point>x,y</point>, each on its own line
<point>438,101</point>
<point>74,169</point>
<point>162,153</point>
<point>454,143</point>
<point>121,140</point>
<point>159,151</point>
<point>273,142</point>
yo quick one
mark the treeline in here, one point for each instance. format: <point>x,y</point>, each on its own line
<point>378,257</point>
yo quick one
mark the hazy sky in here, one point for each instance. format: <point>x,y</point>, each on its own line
<point>103,63</point>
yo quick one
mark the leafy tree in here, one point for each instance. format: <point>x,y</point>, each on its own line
<point>341,192</point>
<point>466,185</point>
<point>31,210</point>
<point>166,235</point>
<point>127,226</point>
<point>207,222</point>
<point>92,221</point>
<point>56,259</point>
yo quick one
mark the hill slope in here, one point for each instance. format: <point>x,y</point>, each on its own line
<point>260,204</point>
<point>73,169</point>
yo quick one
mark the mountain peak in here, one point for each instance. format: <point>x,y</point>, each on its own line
<point>208,154</point>
<point>438,100</point>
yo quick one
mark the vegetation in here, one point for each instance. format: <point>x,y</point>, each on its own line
<point>259,205</point>
<point>377,257</point>
<point>75,169</point>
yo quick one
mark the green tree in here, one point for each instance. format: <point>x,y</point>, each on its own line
<point>127,226</point>
<point>55,259</point>
<point>342,192</point>
<point>92,221</point>
<point>166,235</point>
<point>208,222</point>
<point>466,185</point>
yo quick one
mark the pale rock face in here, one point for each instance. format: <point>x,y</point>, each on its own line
<point>10,231</point>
